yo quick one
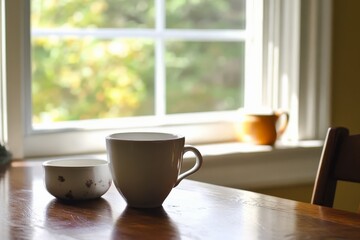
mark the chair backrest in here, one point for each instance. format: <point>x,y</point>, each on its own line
<point>340,160</point>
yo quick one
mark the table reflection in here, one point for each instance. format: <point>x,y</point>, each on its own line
<point>76,214</point>
<point>137,223</point>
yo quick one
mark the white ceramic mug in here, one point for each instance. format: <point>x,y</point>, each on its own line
<point>145,166</point>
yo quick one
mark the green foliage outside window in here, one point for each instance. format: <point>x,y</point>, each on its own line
<point>76,78</point>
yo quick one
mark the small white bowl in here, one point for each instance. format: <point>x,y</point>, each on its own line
<point>77,179</point>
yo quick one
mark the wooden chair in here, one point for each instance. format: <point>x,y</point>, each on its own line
<point>340,160</point>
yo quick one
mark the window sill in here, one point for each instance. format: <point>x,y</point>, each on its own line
<point>245,166</point>
<point>250,167</point>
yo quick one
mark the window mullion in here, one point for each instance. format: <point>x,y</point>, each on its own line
<point>111,33</point>
<point>160,87</point>
<point>253,55</point>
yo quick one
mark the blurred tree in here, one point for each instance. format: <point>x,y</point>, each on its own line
<point>76,78</point>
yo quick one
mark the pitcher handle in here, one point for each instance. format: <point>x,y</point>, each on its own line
<point>284,123</point>
<point>196,167</point>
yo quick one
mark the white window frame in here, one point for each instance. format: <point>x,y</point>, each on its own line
<point>306,39</point>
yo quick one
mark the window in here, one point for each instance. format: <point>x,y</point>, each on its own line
<point>145,58</point>
<point>125,59</point>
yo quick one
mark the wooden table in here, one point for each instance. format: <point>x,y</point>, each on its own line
<point>193,210</point>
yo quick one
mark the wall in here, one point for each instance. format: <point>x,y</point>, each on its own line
<point>346,73</point>
<point>346,65</point>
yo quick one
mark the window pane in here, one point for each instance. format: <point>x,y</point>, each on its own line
<point>92,14</point>
<point>205,14</point>
<point>88,78</point>
<point>102,76</point>
<point>204,76</point>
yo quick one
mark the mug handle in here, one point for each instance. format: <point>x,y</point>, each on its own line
<point>199,160</point>
<point>284,123</point>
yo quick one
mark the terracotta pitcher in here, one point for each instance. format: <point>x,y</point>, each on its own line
<point>261,128</point>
